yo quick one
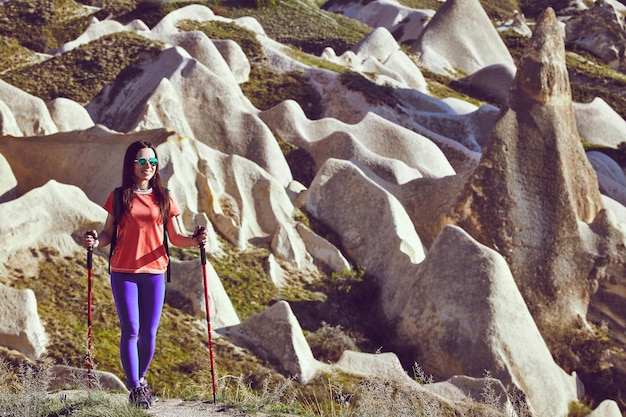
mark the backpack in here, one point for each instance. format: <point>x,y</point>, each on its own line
<point>117,213</point>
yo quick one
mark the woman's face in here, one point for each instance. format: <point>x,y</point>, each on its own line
<point>145,172</point>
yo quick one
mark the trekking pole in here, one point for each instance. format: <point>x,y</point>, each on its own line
<point>208,311</point>
<point>89,304</point>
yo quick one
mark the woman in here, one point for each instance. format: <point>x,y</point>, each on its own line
<point>139,261</point>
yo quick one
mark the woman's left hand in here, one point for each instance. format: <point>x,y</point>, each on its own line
<point>200,235</point>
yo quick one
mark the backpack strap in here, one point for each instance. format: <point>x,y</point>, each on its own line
<point>117,213</point>
<point>165,240</point>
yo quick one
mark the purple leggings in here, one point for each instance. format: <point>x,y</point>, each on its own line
<point>139,301</point>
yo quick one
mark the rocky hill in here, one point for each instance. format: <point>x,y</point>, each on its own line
<point>434,183</point>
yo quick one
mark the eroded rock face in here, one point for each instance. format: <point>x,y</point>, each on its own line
<point>600,30</point>
<point>534,184</point>
<point>464,315</point>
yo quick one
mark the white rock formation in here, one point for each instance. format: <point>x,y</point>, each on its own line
<point>68,115</point>
<point>611,177</point>
<point>380,54</point>
<point>175,91</point>
<point>599,124</point>
<point>607,408</point>
<point>168,25</point>
<point>20,326</point>
<point>98,29</point>
<point>276,335</point>
<point>373,212</point>
<point>460,38</point>
<point>52,215</point>
<point>378,141</point>
<point>8,183</point>
<point>476,321</point>
<point>29,112</point>
<point>492,82</point>
<point>64,375</point>
<point>403,22</point>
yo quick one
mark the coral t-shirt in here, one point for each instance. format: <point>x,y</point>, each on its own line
<point>139,247</point>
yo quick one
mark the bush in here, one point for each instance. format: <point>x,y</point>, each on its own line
<point>329,342</point>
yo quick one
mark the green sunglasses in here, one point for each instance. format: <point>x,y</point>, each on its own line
<point>142,161</point>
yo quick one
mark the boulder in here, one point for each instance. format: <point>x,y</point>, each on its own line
<point>275,271</point>
<point>68,115</point>
<point>373,212</point>
<point>20,326</point>
<point>463,388</point>
<point>276,335</point>
<point>492,83</point>
<point>29,112</point>
<point>53,215</point>
<point>607,408</point>
<point>64,376</point>
<point>368,365</point>
<point>599,124</point>
<point>611,177</point>
<point>325,253</point>
<point>477,320</point>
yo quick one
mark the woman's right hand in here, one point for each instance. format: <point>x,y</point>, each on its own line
<point>90,239</point>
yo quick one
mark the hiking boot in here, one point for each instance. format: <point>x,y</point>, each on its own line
<point>143,383</point>
<point>140,397</point>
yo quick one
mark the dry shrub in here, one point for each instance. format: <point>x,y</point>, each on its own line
<point>329,342</point>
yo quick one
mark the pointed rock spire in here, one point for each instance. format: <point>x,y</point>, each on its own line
<point>534,183</point>
<point>461,37</point>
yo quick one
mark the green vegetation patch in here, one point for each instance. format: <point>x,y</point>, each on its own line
<point>216,29</point>
<point>301,24</point>
<point>182,355</point>
<point>267,88</point>
<point>243,276</point>
<point>374,93</point>
<point>41,25</point>
<point>13,55</point>
<point>82,72</point>
<point>591,78</point>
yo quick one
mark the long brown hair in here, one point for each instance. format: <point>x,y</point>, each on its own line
<point>128,180</point>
